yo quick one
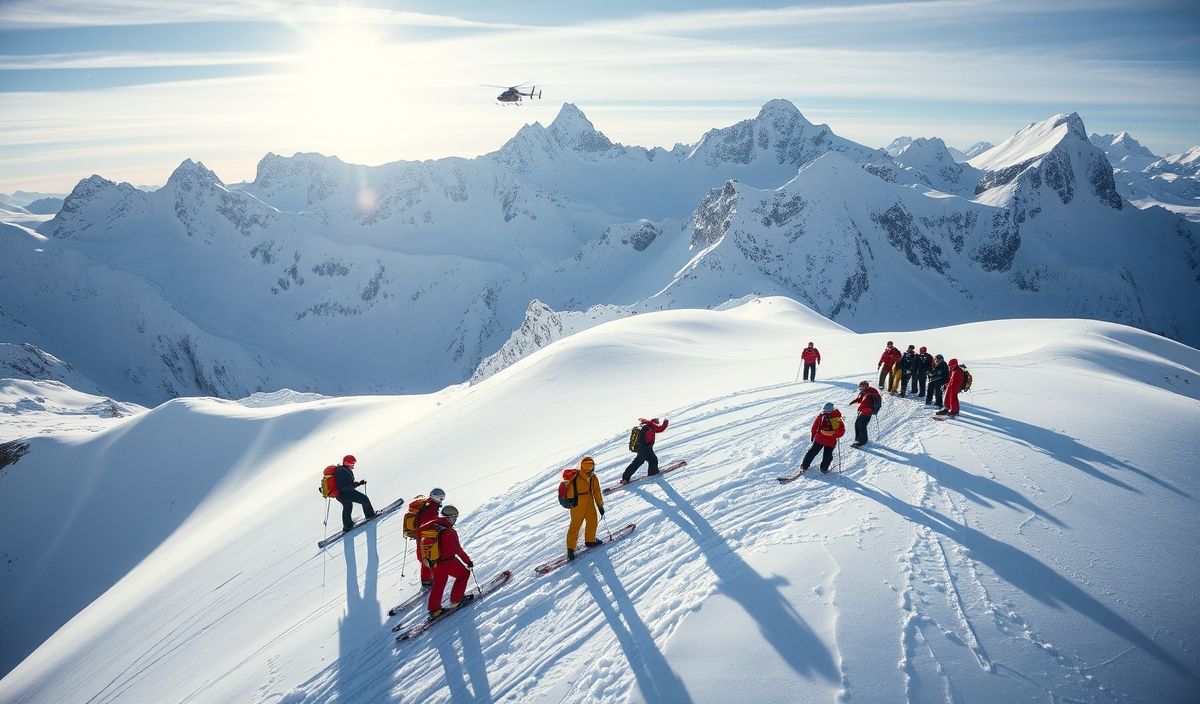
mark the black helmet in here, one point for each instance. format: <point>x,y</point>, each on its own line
<point>450,512</point>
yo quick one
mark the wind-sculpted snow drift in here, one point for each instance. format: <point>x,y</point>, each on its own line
<point>327,277</point>
<point>962,561</point>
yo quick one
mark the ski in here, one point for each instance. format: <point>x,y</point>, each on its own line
<point>362,522</point>
<point>557,562</point>
<point>408,603</point>
<point>662,470</point>
<point>791,477</point>
<point>416,629</point>
<point>945,417</point>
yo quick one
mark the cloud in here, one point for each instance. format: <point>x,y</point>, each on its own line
<point>98,60</point>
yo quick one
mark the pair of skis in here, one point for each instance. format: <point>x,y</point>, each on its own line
<point>398,503</point>
<point>670,467</point>
<point>412,630</point>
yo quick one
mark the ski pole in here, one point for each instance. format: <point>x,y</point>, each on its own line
<point>798,371</point>
<point>477,587</point>
<point>606,527</point>
<point>839,458</point>
<point>404,561</point>
<point>326,523</point>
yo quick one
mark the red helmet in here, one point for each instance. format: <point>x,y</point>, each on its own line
<point>889,343</point>
<point>349,460</point>
<point>922,349</point>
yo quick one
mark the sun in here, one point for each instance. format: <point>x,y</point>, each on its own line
<point>345,85</point>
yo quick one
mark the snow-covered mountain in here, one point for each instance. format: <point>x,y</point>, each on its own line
<point>1123,151</point>
<point>1184,164</point>
<point>963,561</point>
<point>328,277</point>
<point>970,152</point>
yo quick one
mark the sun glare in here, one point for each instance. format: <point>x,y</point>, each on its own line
<point>346,86</point>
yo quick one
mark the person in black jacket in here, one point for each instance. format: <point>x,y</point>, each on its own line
<point>348,495</point>
<point>921,372</point>
<point>908,362</point>
<point>938,376</point>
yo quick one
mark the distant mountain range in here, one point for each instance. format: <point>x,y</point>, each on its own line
<point>323,276</point>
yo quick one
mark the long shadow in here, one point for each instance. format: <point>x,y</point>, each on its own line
<point>655,678</point>
<point>457,678</point>
<point>778,622</point>
<point>1021,570</point>
<point>979,489</point>
<point>1061,447</point>
<point>360,656</point>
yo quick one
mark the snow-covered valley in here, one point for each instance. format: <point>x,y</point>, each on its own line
<point>1038,548</point>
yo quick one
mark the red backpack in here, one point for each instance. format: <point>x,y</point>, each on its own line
<point>329,488</point>
<point>567,498</point>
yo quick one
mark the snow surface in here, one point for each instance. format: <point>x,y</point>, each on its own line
<point>1039,548</point>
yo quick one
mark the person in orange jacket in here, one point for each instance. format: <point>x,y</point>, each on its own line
<point>446,558</point>
<point>811,357</point>
<point>427,513</point>
<point>826,430</point>
<point>586,489</point>
<point>887,365</point>
<point>645,450</point>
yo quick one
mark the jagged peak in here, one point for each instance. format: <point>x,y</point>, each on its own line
<point>1032,141</point>
<point>780,107</point>
<point>570,116</point>
<point>192,171</point>
<point>575,131</point>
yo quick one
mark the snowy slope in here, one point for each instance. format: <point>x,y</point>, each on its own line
<point>933,165</point>
<point>960,561</point>
<point>1123,151</point>
<point>1183,164</point>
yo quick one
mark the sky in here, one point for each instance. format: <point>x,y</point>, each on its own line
<point>130,88</point>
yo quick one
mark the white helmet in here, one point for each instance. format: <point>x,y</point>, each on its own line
<point>437,495</point>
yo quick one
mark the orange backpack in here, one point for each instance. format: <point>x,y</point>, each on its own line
<point>430,544</point>
<point>329,487</point>
<point>410,518</point>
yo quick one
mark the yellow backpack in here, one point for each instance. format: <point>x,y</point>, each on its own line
<point>431,552</point>
<point>410,518</point>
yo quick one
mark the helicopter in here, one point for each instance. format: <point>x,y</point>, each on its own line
<point>513,94</point>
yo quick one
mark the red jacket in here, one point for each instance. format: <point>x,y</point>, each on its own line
<point>651,429</point>
<point>448,545</point>
<point>889,357</point>
<point>956,378</point>
<point>811,355</point>
<point>427,512</point>
<point>864,405</point>
<point>828,436</point>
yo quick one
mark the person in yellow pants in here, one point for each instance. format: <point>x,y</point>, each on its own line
<point>586,489</point>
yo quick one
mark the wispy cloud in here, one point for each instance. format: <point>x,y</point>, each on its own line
<point>98,60</point>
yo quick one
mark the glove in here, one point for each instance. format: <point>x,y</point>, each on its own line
<point>360,482</point>
<point>879,366</point>
<point>601,510</point>
<point>470,565</point>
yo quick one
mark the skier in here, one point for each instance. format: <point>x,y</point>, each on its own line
<point>425,514</point>
<point>938,376</point>
<point>887,362</point>
<point>811,357</point>
<point>826,430</point>
<point>441,551</point>
<point>587,491</point>
<point>921,372</point>
<point>645,450</point>
<point>348,495</point>
<point>869,402</point>
<point>954,383</point>
<point>908,363</point>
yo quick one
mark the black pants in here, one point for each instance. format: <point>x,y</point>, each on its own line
<point>646,454</point>
<point>919,380</point>
<point>860,428</point>
<point>810,370</point>
<point>884,375</point>
<point>826,460</point>
<point>935,391</point>
<point>348,498</point>
<point>904,376</point>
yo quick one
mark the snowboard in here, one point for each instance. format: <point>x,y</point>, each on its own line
<point>362,522</point>
<point>557,562</point>
<point>410,631</point>
<point>670,467</point>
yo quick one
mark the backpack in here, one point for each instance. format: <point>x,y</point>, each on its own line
<point>830,425</point>
<point>430,545</point>
<point>329,489</point>
<point>967,378</point>
<point>567,498</point>
<point>410,518</point>
<point>636,436</point>
<point>876,401</point>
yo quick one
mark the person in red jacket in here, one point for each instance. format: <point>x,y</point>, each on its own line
<point>447,560</point>
<point>826,430</point>
<point>887,365</point>
<point>427,513</point>
<point>811,357</point>
<point>953,386</point>
<point>869,402</point>
<point>645,449</point>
